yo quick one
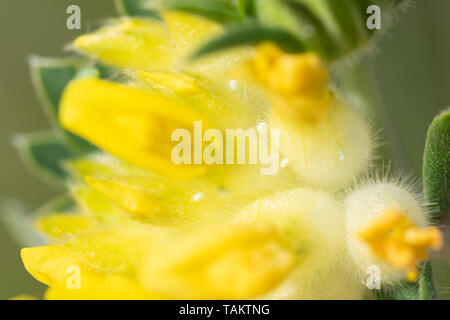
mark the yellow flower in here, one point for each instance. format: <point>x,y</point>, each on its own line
<point>146,228</point>
<point>328,144</point>
<point>387,227</point>
<point>218,262</point>
<point>133,124</point>
<point>396,239</point>
<point>141,262</point>
<point>157,45</point>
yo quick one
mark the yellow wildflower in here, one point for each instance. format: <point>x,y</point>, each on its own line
<point>387,227</point>
<point>219,262</point>
<point>396,239</point>
<point>133,124</point>
<point>156,45</point>
<point>146,228</point>
<point>139,262</point>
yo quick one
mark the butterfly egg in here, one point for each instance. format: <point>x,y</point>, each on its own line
<point>387,228</point>
<point>314,223</point>
<point>328,149</point>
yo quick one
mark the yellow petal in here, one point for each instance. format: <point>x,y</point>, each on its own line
<point>189,32</point>
<point>218,262</point>
<point>48,264</point>
<point>120,249</point>
<point>102,287</point>
<point>130,43</point>
<point>60,226</point>
<point>132,124</point>
<point>96,266</point>
<point>211,197</point>
<point>132,199</point>
<point>57,266</point>
<point>227,104</point>
<point>102,210</point>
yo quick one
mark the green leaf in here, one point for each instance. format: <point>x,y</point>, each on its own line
<point>18,222</point>
<point>44,153</point>
<point>137,8</point>
<point>50,76</point>
<point>251,34</point>
<point>218,10</point>
<point>436,166</point>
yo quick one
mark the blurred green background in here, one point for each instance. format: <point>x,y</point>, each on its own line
<point>411,62</point>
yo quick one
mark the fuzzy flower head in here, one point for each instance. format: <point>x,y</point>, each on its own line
<point>141,226</point>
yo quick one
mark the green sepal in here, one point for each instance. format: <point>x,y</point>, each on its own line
<point>50,76</point>
<point>332,28</point>
<point>251,34</point>
<point>246,7</point>
<point>436,167</point>
<point>44,154</point>
<point>341,22</point>
<point>313,31</point>
<point>218,10</point>
<point>17,220</point>
<point>137,8</point>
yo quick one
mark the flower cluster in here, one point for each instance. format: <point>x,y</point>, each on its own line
<point>146,228</point>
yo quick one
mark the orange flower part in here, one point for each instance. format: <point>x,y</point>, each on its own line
<point>397,240</point>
